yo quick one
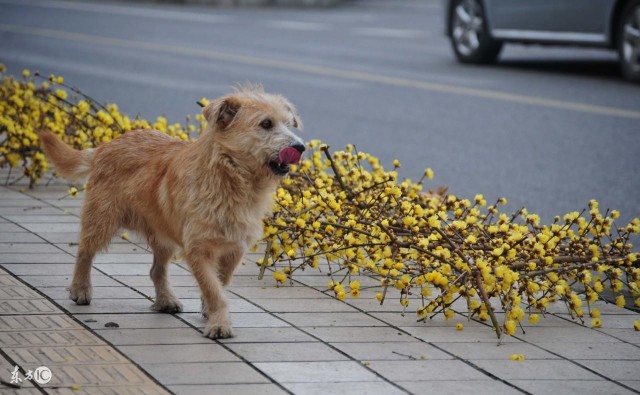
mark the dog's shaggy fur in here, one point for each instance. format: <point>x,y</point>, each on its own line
<point>206,197</point>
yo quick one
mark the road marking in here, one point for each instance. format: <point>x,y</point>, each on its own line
<point>324,71</point>
<point>389,33</point>
<point>121,10</point>
<point>296,25</point>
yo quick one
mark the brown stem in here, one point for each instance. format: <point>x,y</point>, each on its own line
<point>487,304</point>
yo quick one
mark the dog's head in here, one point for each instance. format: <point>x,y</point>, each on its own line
<point>256,129</point>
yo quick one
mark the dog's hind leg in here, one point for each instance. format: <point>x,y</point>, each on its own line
<point>166,300</point>
<point>97,228</point>
<point>202,260</point>
<point>227,264</point>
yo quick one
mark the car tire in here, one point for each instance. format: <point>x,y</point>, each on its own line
<point>469,31</point>
<point>629,41</point>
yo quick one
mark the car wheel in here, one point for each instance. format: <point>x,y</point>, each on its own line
<point>629,41</point>
<point>470,36</point>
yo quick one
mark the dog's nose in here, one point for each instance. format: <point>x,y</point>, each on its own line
<point>299,147</point>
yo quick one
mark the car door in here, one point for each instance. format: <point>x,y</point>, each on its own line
<point>520,15</point>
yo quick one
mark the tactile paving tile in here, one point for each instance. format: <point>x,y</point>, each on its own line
<point>6,280</point>
<point>34,306</point>
<point>37,322</point>
<point>67,355</point>
<point>97,375</point>
<point>47,338</point>
<point>17,292</point>
<point>34,333</point>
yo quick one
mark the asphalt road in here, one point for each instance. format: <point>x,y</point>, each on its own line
<point>548,128</point>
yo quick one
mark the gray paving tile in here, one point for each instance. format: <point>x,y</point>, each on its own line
<point>579,351</point>
<point>391,351</point>
<point>488,350</point>
<point>69,337</point>
<point>121,247</point>
<point>43,219</point>
<point>635,384</point>
<point>31,210</point>
<point>10,323</point>
<point>107,306</point>
<point>21,237</point>
<point>457,387</point>
<point>282,292</point>
<point>42,269</point>
<point>450,334</point>
<point>52,227</point>
<point>145,281</point>
<point>627,335</point>
<point>148,320</point>
<point>234,305</point>
<point>178,353</point>
<point>428,370</point>
<point>287,352</point>
<point>65,355</point>
<point>330,319</point>
<point>251,281</point>
<point>136,269</point>
<point>615,370</point>
<point>303,305</point>
<point>29,248</point>
<point>240,320</point>
<point>97,280</point>
<point>535,369</point>
<point>226,389</point>
<point>180,292</point>
<point>592,387</point>
<point>362,388</point>
<point>36,258</point>
<point>11,228</point>
<point>119,337</point>
<point>309,372</point>
<point>99,293</point>
<point>362,334</point>
<point>205,373</point>
<point>571,333</point>
<point>268,335</point>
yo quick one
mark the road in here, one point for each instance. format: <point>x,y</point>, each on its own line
<point>548,128</point>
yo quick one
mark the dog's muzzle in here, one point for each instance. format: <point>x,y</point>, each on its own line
<point>286,157</point>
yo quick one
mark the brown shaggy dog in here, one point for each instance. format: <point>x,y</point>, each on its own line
<point>206,197</point>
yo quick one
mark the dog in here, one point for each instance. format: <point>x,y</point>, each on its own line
<point>206,198</point>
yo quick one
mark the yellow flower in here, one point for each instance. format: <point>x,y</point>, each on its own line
<point>61,94</point>
<point>379,296</point>
<point>396,163</point>
<point>534,318</point>
<point>26,73</point>
<point>517,357</point>
<point>355,284</point>
<point>596,323</point>
<point>636,325</point>
<point>73,191</point>
<point>279,276</point>
<point>459,326</point>
<point>428,173</point>
<point>124,236</point>
<point>404,302</point>
<point>620,302</point>
<point>595,313</point>
<point>510,327</point>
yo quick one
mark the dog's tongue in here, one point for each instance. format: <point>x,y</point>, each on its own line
<point>289,155</point>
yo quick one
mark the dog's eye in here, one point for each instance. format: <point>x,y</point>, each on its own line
<point>266,124</point>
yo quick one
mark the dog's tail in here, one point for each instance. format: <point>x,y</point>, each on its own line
<point>70,163</point>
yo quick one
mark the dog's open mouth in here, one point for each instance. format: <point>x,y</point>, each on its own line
<point>286,157</point>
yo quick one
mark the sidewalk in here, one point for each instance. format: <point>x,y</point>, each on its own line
<point>292,339</point>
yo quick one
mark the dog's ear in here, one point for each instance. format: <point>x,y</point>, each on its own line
<point>297,122</point>
<point>221,111</point>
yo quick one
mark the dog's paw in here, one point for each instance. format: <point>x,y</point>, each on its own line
<point>81,294</point>
<point>171,305</point>
<point>218,331</point>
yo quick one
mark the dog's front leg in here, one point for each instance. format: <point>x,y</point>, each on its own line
<point>203,262</point>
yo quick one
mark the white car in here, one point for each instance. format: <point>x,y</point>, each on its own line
<point>478,28</point>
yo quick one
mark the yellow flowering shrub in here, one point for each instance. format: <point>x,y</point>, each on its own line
<point>82,122</point>
<point>344,214</point>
